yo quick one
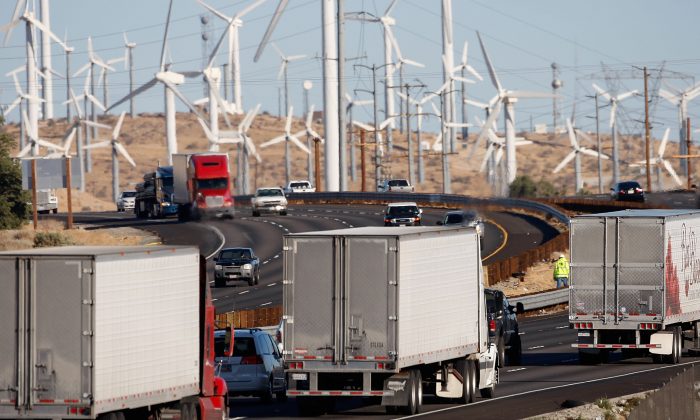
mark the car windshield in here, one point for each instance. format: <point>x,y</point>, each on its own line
<point>629,185</point>
<point>454,218</point>
<point>212,184</point>
<point>270,192</point>
<point>398,183</point>
<point>129,194</point>
<point>243,346</point>
<point>403,210</point>
<point>234,254</point>
<point>300,185</point>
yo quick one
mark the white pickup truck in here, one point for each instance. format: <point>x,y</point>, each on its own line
<point>302,186</point>
<point>269,200</point>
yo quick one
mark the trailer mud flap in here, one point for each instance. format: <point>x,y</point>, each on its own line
<point>664,339</point>
<point>401,386</point>
<point>488,372</point>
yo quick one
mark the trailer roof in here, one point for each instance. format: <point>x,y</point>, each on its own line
<point>644,213</point>
<point>91,251</point>
<point>381,231</point>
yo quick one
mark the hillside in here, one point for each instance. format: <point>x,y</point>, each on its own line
<point>144,138</point>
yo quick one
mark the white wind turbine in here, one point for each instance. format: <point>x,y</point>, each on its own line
<point>660,162</point>
<point>311,136</point>
<point>575,155</point>
<point>351,104</point>
<point>462,67</point>
<point>233,57</point>
<point>102,79</point>
<point>169,79</point>
<point>22,13</point>
<point>33,143</point>
<point>129,64</point>
<point>614,100</point>
<point>288,137</point>
<point>681,99</point>
<point>400,61</point>
<point>389,65</point>
<point>17,102</point>
<point>505,98</point>
<point>247,149</point>
<point>493,157</point>
<point>117,149</point>
<point>284,65</point>
<point>379,142</point>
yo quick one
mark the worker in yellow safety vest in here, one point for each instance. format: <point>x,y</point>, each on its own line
<point>561,271</point>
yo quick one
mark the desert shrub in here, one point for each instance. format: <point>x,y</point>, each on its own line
<point>46,239</point>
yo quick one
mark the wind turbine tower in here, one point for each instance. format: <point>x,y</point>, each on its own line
<point>46,63</point>
<point>206,34</point>
<point>557,84</point>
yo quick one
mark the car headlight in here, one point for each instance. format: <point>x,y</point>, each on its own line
<point>218,267</point>
<point>164,204</point>
<point>247,266</point>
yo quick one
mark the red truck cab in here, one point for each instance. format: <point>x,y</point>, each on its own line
<point>202,185</point>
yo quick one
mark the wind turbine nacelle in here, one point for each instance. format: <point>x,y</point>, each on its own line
<point>388,20</point>
<point>170,76</point>
<point>213,73</point>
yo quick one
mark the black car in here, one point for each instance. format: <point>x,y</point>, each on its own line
<point>627,191</point>
<point>503,326</point>
<point>236,264</point>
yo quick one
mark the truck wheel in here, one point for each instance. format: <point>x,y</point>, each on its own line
<point>54,211</point>
<point>283,213</point>
<point>515,354</point>
<point>256,213</point>
<point>675,357</point>
<point>188,412</point>
<point>501,346</point>
<point>415,396</point>
<point>466,370</point>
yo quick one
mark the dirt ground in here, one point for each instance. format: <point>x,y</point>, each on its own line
<point>144,138</point>
<point>84,235</point>
<point>603,408</point>
<point>538,278</point>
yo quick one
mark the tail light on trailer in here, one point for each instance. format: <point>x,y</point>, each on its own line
<point>295,365</point>
<point>583,325</point>
<point>649,326</point>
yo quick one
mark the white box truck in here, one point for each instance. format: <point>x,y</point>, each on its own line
<point>635,283</point>
<point>108,332</point>
<point>385,312</point>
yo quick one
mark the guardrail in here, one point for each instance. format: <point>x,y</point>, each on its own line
<point>542,300</point>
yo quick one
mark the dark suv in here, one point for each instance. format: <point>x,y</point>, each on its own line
<point>503,326</point>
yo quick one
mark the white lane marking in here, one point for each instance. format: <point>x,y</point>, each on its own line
<point>271,284</point>
<point>211,281</point>
<point>243,292</point>
<point>562,327</point>
<point>266,303</point>
<point>214,299</point>
<point>569,360</point>
<point>535,347</point>
<point>428,413</point>
<point>221,237</point>
<point>521,333</point>
<point>516,370</point>
<point>266,261</point>
<point>237,418</point>
<point>276,256</point>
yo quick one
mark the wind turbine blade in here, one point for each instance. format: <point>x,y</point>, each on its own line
<point>95,101</point>
<point>499,155</point>
<point>38,24</point>
<point>252,114</point>
<point>363,126</point>
<point>601,92</point>
<point>273,141</point>
<point>299,144</point>
<point>270,28</point>
<point>564,162</point>
<point>613,113</point>
<point>25,151</point>
<point>118,127</point>
<point>95,124</point>
<point>250,146</point>
<point>182,98</point>
<point>457,125</point>
<point>309,116</point>
<point>248,9</point>
<point>296,57</point>
<point>436,110</point>
<point>282,67</point>
<point>476,103</point>
<point>81,70</point>
<point>572,134</point>
<point>669,96</point>
<point>626,95</point>
<point>215,51</point>
<point>589,152</point>
<point>99,144</point>
<point>165,37</point>
<point>385,123</point>
<point>447,21</point>
<point>288,123</point>
<point>15,19</point>
<point>489,65</point>
<point>489,121</point>
<point>413,63</point>
<point>463,80</point>
<point>215,12</point>
<point>528,94</point>
<point>391,6</point>
<point>671,172</point>
<point>392,40</point>
<point>473,72</point>
<point>121,150</point>
<point>220,102</point>
<point>485,160</point>
<point>464,54</point>
<point>13,105</point>
<point>664,140</point>
<point>207,132</point>
<point>136,92</point>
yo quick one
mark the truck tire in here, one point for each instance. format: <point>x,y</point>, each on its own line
<point>501,346</point>
<point>256,213</point>
<point>54,211</point>
<point>466,369</point>
<point>188,411</point>
<point>675,357</point>
<point>415,396</point>
<point>283,213</point>
<point>515,354</point>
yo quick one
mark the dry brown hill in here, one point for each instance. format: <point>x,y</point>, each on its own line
<point>144,137</point>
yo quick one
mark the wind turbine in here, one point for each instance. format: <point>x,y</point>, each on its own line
<point>311,136</point>
<point>614,100</point>
<point>288,137</point>
<point>129,60</point>
<point>575,155</point>
<point>247,149</point>
<point>117,149</point>
<point>169,79</point>
<point>31,23</point>
<point>660,162</point>
<point>400,61</point>
<point>494,154</point>
<point>379,146</point>
<point>681,99</point>
<point>505,99</point>
<point>233,57</point>
<point>102,79</point>
<point>389,65</point>
<point>33,143</point>
<point>284,65</point>
<point>462,67</point>
<point>17,102</point>
<point>351,104</point>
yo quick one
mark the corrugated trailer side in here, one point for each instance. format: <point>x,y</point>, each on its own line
<point>682,269</point>
<point>146,350</point>
<point>181,192</point>
<point>439,284</point>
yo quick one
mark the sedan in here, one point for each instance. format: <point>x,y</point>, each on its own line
<point>627,191</point>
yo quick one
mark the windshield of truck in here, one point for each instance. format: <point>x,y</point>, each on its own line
<point>403,211</point>
<point>296,185</point>
<point>126,194</point>
<point>269,192</point>
<point>243,346</point>
<point>398,183</point>
<point>234,254</point>
<point>212,184</point>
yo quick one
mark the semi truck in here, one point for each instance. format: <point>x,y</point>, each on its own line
<point>202,185</point>
<point>90,332</point>
<point>384,312</point>
<point>154,196</point>
<point>46,201</point>
<point>635,283</point>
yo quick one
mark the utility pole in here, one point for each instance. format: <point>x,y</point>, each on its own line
<point>646,128</point>
<point>597,137</point>
<point>446,187</point>
<point>317,158</point>
<point>363,166</point>
<point>375,111</point>
<point>407,115</point>
<point>131,46</point>
<point>342,123</point>
<point>307,85</point>
<point>687,140</point>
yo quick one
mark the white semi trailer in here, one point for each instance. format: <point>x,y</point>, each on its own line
<point>385,312</point>
<point>635,283</point>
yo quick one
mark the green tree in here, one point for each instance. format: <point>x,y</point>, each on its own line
<point>13,200</point>
<point>523,187</point>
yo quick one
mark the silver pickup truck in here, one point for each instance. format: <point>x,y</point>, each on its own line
<point>269,200</point>
<point>395,185</point>
<point>302,186</point>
